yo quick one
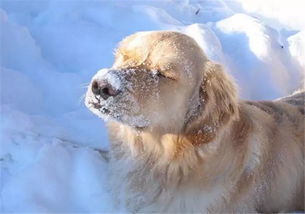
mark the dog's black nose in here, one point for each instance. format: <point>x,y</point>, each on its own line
<point>104,89</point>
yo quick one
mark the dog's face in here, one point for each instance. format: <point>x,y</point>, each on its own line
<point>153,83</point>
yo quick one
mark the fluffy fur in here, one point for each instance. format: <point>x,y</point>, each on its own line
<point>194,146</point>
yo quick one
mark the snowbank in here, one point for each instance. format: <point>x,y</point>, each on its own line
<point>51,49</point>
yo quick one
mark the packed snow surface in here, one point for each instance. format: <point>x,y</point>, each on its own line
<point>50,50</point>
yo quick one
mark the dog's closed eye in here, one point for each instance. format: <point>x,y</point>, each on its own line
<point>164,75</point>
<point>160,74</point>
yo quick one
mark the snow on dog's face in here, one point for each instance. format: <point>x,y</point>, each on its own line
<point>153,83</point>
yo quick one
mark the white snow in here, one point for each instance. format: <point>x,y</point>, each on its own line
<point>297,49</point>
<point>279,14</point>
<point>51,49</point>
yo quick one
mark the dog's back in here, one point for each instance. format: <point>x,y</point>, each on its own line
<point>296,99</point>
<point>291,108</point>
<point>282,120</point>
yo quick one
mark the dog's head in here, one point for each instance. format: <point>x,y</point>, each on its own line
<point>163,81</point>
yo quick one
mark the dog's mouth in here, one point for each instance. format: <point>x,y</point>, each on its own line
<point>99,107</point>
<point>95,103</point>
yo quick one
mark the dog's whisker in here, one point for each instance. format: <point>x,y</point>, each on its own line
<point>85,85</point>
<point>81,99</point>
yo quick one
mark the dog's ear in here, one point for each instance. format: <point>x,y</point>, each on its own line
<point>220,91</point>
<point>218,99</point>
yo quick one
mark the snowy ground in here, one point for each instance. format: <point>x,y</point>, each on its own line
<point>50,50</point>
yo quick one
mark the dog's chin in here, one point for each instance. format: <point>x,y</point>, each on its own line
<point>100,112</point>
<point>109,116</point>
<point>135,122</point>
<point>140,125</point>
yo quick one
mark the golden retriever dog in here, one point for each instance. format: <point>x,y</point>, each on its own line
<point>182,141</point>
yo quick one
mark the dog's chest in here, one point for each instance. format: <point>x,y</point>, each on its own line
<point>140,188</point>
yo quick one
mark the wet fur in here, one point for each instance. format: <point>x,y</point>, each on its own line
<point>229,155</point>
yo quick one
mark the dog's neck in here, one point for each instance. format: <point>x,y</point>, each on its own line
<point>202,129</point>
<point>168,146</point>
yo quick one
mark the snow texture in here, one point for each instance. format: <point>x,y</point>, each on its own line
<point>51,49</point>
